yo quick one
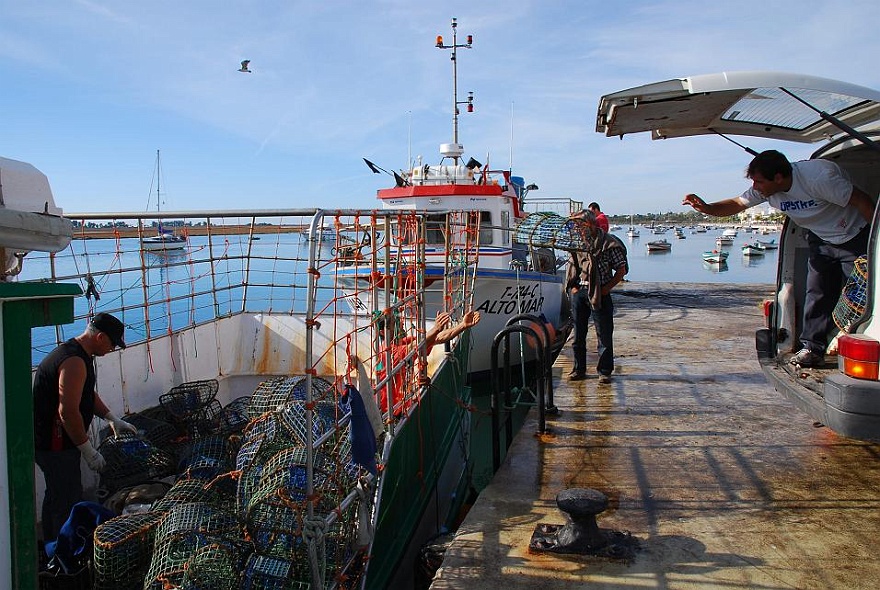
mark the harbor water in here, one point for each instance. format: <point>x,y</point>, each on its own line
<point>684,262</point>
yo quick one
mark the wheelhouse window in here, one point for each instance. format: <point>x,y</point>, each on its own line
<point>486,234</point>
<point>436,229</point>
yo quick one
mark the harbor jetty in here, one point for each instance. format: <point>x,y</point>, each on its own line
<point>720,480</point>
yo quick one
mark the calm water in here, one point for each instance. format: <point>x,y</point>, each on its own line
<point>684,263</point>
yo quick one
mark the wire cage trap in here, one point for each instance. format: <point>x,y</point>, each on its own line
<point>184,401</point>
<point>272,394</point>
<point>131,460</point>
<point>853,297</point>
<point>123,548</point>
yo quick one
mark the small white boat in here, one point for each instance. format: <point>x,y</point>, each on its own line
<point>729,232</point>
<point>632,233</point>
<point>715,256</point>
<point>768,244</point>
<point>659,246</point>
<point>753,250</point>
<point>164,240</point>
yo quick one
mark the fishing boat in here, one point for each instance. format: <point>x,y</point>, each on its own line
<point>510,278</point>
<point>679,234</point>
<point>165,239</point>
<point>753,250</point>
<point>659,246</point>
<point>253,340</point>
<point>768,244</point>
<point>715,256</point>
<point>722,241</point>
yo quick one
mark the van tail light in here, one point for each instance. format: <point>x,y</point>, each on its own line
<point>858,356</point>
<point>767,306</point>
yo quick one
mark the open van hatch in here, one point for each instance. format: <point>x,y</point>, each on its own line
<point>774,105</point>
<point>806,109</point>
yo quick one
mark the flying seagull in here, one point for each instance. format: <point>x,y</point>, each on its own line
<point>244,66</point>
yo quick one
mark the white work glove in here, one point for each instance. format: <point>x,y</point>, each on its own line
<point>119,425</point>
<point>92,456</point>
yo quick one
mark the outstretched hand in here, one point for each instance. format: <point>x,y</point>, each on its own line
<point>471,318</point>
<point>694,201</point>
<point>443,320</point>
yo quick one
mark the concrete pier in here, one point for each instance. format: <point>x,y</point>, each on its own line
<point>725,484</point>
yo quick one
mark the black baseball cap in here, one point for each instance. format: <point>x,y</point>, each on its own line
<point>111,326</point>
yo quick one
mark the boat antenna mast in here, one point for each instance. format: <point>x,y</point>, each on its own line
<point>455,149</point>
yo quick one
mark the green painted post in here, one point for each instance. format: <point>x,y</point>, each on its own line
<point>25,306</point>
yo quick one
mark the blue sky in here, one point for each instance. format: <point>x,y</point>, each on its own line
<point>91,89</point>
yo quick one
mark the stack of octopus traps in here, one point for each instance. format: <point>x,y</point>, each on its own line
<point>236,515</point>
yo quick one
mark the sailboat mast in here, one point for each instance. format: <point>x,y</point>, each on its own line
<point>158,168</point>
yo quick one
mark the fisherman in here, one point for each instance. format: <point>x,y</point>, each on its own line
<point>592,274</point>
<point>818,196</point>
<point>65,400</point>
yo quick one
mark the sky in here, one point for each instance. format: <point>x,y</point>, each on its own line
<point>91,89</point>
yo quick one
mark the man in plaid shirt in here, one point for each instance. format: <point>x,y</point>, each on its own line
<point>592,274</point>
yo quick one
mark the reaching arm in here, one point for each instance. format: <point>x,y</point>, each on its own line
<point>718,208</point>
<point>471,318</point>
<point>863,203</point>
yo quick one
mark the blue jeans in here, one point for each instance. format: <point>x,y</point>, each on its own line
<point>827,270</point>
<point>603,320</point>
<point>63,488</point>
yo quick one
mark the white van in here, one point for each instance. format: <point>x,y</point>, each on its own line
<point>844,394</point>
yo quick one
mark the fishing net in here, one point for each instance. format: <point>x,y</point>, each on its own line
<point>853,297</point>
<point>184,530</point>
<point>550,230</point>
<point>123,548</point>
<point>132,460</point>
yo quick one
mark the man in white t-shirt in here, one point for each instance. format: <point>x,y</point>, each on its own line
<point>818,196</point>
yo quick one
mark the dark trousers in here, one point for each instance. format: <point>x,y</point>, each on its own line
<point>63,488</point>
<point>827,270</point>
<point>603,321</point>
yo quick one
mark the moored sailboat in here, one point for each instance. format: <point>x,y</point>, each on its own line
<point>165,239</point>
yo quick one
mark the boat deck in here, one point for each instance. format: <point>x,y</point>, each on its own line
<point>724,483</point>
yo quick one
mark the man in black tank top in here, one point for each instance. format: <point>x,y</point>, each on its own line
<point>65,401</point>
